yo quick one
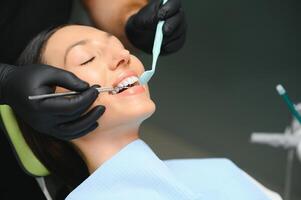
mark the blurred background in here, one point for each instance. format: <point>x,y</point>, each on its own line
<point>220,87</point>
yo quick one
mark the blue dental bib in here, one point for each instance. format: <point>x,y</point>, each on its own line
<point>136,173</point>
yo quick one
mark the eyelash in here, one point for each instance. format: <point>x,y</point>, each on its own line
<point>88,61</point>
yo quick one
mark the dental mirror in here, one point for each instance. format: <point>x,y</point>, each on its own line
<point>147,75</point>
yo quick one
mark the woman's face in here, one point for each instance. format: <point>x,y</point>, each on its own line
<point>99,58</point>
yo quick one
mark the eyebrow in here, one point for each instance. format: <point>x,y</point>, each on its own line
<point>81,42</point>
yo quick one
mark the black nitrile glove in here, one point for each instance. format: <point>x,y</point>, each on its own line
<point>59,117</point>
<point>141,27</point>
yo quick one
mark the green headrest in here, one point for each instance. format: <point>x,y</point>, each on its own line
<point>28,161</point>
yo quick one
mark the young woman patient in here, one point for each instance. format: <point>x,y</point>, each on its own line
<point>111,162</point>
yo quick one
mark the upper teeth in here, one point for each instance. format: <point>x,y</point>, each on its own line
<point>127,81</point>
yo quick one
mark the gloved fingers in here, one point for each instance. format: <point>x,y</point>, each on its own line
<point>170,8</point>
<point>65,79</point>
<point>146,18</point>
<point>141,27</point>
<point>82,125</point>
<point>175,41</point>
<point>71,117</point>
<point>173,45</point>
<point>172,24</point>
<point>80,134</point>
<point>69,105</point>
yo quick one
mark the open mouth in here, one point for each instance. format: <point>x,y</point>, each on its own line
<point>125,84</point>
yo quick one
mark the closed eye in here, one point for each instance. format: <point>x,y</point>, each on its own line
<point>88,61</point>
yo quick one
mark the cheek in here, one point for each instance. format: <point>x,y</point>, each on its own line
<point>90,75</point>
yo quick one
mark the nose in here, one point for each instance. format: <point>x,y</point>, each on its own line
<point>121,58</point>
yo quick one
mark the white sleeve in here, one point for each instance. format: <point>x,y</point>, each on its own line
<point>271,194</point>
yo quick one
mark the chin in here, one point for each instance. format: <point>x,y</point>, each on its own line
<point>143,111</point>
<point>139,112</point>
<point>130,115</point>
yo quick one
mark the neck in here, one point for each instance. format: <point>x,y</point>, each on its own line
<point>99,146</point>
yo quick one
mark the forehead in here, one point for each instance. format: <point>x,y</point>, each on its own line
<point>59,42</point>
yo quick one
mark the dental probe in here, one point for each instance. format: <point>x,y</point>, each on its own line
<point>100,90</point>
<point>281,91</point>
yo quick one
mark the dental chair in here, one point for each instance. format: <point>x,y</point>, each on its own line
<point>26,158</point>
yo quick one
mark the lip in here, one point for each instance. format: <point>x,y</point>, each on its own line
<point>122,76</point>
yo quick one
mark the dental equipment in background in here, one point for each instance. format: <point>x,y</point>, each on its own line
<point>147,75</point>
<point>289,103</point>
<point>100,90</point>
<point>290,140</point>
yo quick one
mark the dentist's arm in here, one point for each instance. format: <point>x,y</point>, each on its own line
<point>59,117</point>
<point>134,21</point>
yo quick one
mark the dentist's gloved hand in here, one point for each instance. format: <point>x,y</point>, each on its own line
<point>141,27</point>
<point>59,117</point>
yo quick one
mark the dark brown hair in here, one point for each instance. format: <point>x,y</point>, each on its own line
<point>59,157</point>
